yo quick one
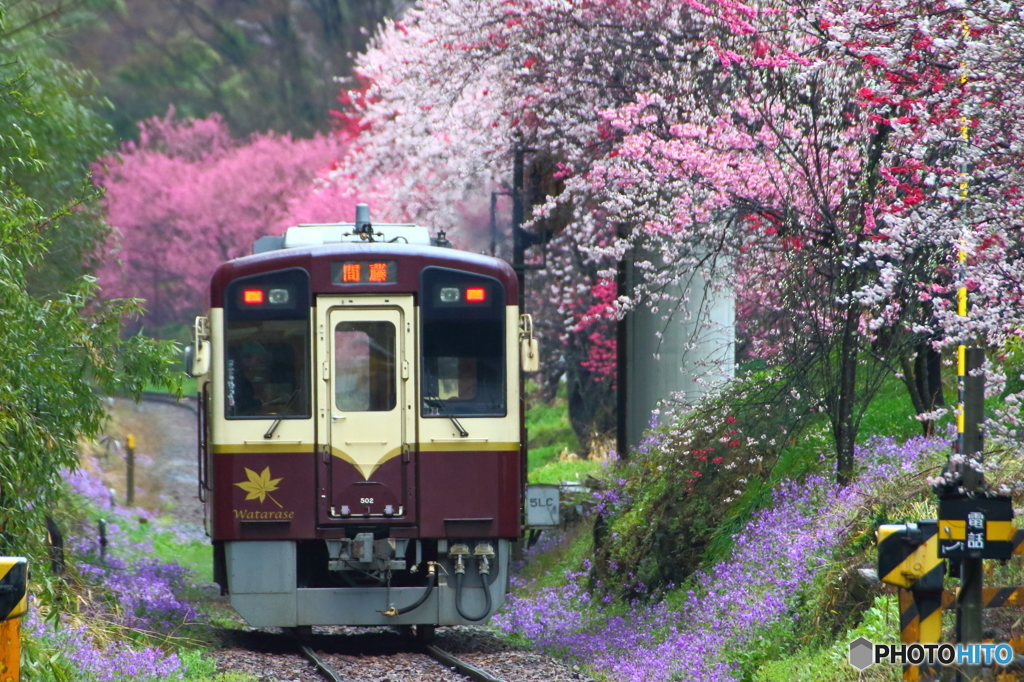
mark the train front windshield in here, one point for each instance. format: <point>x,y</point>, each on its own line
<point>266,368</point>
<point>364,367</point>
<point>463,344</point>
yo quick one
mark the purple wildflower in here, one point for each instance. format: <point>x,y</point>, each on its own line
<point>727,609</point>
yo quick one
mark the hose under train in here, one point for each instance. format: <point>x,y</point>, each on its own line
<point>458,597</point>
<point>431,580</point>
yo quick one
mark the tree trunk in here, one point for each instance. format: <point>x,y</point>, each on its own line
<point>929,379</point>
<point>842,426</point>
<point>923,379</point>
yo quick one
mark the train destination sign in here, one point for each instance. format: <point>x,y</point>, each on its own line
<point>364,272</point>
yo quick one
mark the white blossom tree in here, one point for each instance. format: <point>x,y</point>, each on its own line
<point>829,156</point>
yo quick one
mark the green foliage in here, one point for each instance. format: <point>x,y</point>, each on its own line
<point>891,413</point>
<point>683,480</point>
<point>260,65</point>
<point>53,354</point>
<point>548,428</point>
<point>60,344</point>
<point>1013,364</point>
<point>40,664</point>
<point>880,624</point>
<point>52,133</point>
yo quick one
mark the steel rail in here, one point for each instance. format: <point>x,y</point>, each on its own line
<point>460,666</point>
<point>321,665</point>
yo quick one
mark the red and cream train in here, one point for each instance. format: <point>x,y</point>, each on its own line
<point>361,454</point>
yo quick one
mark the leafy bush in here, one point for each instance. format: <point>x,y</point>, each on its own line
<point>680,483</point>
<point>126,614</point>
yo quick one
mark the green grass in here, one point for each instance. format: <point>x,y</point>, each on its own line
<point>557,472</point>
<point>189,386</point>
<point>880,624</point>
<point>196,555</point>
<point>891,414</point>
<point>200,667</point>
<point>549,431</point>
<point>550,434</point>
<point>548,568</point>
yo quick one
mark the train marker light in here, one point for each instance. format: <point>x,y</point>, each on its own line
<point>449,295</point>
<point>476,295</point>
<point>252,296</point>
<point>350,272</point>
<point>278,296</point>
<point>378,272</point>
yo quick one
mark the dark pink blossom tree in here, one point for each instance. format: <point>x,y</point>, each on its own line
<point>186,197</point>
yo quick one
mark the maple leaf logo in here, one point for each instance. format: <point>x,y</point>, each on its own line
<point>260,486</point>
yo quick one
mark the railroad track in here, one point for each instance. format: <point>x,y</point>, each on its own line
<point>370,655</point>
<point>446,659</point>
<point>449,661</point>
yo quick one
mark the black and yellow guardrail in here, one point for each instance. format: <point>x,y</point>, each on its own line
<point>13,605</point>
<point>908,557</point>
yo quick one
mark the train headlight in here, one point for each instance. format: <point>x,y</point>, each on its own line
<point>449,295</point>
<point>278,296</point>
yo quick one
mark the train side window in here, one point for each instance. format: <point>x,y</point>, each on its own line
<point>463,344</point>
<point>365,379</point>
<point>267,371</point>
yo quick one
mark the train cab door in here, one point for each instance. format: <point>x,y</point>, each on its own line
<point>366,397</point>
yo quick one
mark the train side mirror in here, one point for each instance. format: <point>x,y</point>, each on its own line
<point>197,359</point>
<point>529,348</point>
<point>529,353</point>
<point>197,356</point>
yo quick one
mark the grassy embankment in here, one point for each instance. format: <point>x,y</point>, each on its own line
<point>807,640</point>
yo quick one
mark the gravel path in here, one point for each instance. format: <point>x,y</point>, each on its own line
<point>165,453</point>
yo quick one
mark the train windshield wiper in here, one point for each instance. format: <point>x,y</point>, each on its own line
<point>444,410</point>
<point>277,422</point>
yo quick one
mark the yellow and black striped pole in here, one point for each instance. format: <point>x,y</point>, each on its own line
<point>970,414</point>
<point>961,292</point>
<point>961,351</point>
<point>13,604</point>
